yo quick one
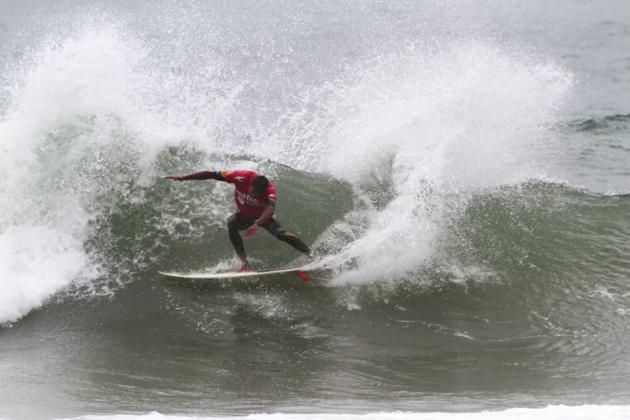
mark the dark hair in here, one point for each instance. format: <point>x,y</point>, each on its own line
<point>260,184</point>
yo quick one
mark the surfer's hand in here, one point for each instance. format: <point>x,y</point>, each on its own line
<point>175,178</point>
<point>251,230</point>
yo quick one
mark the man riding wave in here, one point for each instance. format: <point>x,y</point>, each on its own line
<point>255,198</point>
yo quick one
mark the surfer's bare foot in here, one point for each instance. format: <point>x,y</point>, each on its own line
<point>245,268</point>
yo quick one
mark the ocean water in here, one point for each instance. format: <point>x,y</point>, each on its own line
<point>462,166</point>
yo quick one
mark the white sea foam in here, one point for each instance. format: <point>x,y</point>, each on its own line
<point>47,189</point>
<point>438,126</point>
<point>552,412</point>
<point>37,262</point>
<point>88,116</point>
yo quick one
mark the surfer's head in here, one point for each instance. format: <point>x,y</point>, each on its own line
<point>260,185</point>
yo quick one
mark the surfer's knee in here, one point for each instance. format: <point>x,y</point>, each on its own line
<point>231,223</point>
<point>285,235</point>
<point>295,242</point>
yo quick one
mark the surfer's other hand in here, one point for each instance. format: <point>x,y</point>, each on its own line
<point>251,230</point>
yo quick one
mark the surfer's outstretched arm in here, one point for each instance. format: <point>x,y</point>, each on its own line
<point>199,175</point>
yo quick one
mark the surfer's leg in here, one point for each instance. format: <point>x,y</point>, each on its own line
<point>238,222</point>
<point>274,227</point>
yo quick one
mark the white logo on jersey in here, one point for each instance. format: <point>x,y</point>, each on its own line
<point>244,198</point>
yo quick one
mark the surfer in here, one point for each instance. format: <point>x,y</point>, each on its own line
<point>255,198</point>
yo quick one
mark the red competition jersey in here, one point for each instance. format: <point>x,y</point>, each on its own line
<point>249,204</point>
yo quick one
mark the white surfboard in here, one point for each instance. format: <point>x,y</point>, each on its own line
<point>235,275</point>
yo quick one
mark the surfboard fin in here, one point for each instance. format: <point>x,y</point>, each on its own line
<point>304,275</point>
